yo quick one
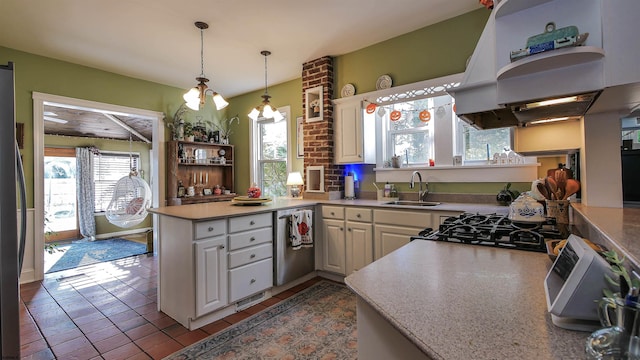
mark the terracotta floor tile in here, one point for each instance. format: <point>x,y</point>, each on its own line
<point>96,325</point>
<point>191,337</point>
<point>255,309</point>
<point>148,308</point>
<point>111,343</point>
<point>141,331</point>
<point>89,318</point>
<point>33,347</point>
<point>45,354</point>
<point>123,316</point>
<point>285,294</point>
<point>85,352</point>
<point>176,330</point>
<point>163,322</point>
<point>216,326</point>
<point>124,352</point>
<point>32,336</point>
<point>164,349</point>
<point>101,334</point>
<point>151,340</point>
<point>134,322</point>
<point>72,346</point>
<point>59,338</point>
<point>239,316</point>
<point>271,301</point>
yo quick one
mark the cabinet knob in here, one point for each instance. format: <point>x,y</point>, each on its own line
<point>210,228</point>
<point>332,213</point>
<point>358,216</point>
<point>253,238</point>
<point>252,256</point>
<point>359,155</point>
<point>252,281</point>
<point>221,246</point>
<point>341,229</point>
<point>252,222</point>
<point>348,229</point>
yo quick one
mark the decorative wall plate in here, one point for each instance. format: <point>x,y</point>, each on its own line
<point>384,82</point>
<point>348,90</point>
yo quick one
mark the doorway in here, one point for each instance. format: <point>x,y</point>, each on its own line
<point>60,206</point>
<point>156,172</point>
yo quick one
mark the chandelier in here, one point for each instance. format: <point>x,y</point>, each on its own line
<point>196,96</point>
<point>265,109</point>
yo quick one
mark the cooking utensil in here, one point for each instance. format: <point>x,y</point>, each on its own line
<point>552,187</point>
<point>543,190</point>
<point>571,188</point>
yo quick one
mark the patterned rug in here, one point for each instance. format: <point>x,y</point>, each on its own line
<point>317,323</point>
<point>84,252</point>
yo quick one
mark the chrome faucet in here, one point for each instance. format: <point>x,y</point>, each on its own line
<point>422,195</point>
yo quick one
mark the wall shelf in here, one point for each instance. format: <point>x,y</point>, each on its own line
<point>551,60</point>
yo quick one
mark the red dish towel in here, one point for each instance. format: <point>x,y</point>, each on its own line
<point>300,229</point>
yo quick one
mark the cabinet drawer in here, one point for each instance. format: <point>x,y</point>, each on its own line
<point>211,228</point>
<point>242,223</point>
<point>249,255</point>
<point>416,219</point>
<point>250,238</point>
<point>250,279</point>
<point>333,212</point>
<point>359,214</point>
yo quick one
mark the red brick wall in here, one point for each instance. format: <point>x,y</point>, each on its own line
<point>318,136</point>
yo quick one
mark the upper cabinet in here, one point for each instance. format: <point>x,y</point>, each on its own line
<point>354,141</point>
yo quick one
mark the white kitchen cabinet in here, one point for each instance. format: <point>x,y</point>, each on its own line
<point>211,267</point>
<point>359,239</point>
<point>333,256</point>
<point>353,138</point>
<point>250,255</point>
<point>394,228</point>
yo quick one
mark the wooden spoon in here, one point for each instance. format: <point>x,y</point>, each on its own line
<point>552,187</point>
<point>571,188</point>
<point>543,190</point>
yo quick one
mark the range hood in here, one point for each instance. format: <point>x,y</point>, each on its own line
<point>497,91</point>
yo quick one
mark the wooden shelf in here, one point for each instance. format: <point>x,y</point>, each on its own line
<point>202,173</point>
<point>550,60</point>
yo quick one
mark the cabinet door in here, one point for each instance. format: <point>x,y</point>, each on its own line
<point>348,133</point>
<point>359,246</point>
<point>211,274</point>
<point>389,238</point>
<point>333,257</point>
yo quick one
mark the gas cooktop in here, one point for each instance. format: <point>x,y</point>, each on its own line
<point>494,230</point>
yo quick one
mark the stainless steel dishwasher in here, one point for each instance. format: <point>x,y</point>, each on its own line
<point>290,264</point>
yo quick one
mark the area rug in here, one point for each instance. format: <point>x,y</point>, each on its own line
<point>317,323</point>
<point>84,252</point>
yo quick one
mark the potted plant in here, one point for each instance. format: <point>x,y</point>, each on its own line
<point>225,128</point>
<point>188,132</point>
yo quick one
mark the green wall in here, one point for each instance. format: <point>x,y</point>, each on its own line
<point>284,94</point>
<point>35,73</point>
<point>102,225</point>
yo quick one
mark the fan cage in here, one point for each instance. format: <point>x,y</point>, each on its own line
<point>130,201</point>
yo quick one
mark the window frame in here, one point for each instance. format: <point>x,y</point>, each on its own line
<point>255,172</point>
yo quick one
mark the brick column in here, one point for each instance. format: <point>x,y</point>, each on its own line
<point>318,136</point>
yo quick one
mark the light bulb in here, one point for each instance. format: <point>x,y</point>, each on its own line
<point>220,102</point>
<point>253,115</point>
<point>277,116</point>
<point>192,95</point>
<point>267,112</point>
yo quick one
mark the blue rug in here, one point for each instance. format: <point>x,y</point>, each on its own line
<point>83,252</point>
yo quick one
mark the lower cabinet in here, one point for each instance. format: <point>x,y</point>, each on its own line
<point>211,266</point>
<point>359,239</point>
<point>250,279</point>
<point>333,254</point>
<point>347,239</point>
<point>394,228</point>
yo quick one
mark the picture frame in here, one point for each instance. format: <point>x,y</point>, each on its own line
<point>208,191</point>
<point>300,136</point>
<point>314,106</point>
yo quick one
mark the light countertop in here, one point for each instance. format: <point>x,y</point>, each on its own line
<point>213,210</point>
<point>467,302</point>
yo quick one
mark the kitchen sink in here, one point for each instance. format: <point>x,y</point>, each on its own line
<point>413,203</point>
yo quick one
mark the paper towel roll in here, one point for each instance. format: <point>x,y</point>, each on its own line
<point>348,187</point>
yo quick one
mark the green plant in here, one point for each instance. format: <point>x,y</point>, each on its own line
<point>618,268</point>
<point>188,129</point>
<point>225,126</point>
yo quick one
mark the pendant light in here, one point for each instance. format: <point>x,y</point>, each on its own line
<point>196,96</point>
<point>265,109</point>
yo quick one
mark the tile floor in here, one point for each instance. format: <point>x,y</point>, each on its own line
<point>109,311</point>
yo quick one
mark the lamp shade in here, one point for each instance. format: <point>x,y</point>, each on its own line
<point>295,178</point>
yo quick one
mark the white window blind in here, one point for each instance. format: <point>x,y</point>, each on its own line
<point>108,168</point>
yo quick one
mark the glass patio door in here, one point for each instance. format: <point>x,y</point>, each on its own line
<point>60,207</point>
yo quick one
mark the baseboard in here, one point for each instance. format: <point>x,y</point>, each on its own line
<point>122,233</point>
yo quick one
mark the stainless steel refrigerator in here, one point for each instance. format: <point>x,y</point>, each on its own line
<point>11,248</point>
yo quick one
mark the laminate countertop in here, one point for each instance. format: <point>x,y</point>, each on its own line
<point>212,210</point>
<point>467,302</point>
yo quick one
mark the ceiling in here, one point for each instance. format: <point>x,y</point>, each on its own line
<point>156,40</point>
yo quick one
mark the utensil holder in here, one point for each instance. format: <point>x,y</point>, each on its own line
<point>558,209</point>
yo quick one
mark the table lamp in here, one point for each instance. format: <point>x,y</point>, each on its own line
<point>295,180</point>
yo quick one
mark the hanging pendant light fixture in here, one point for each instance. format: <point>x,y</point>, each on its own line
<point>265,109</point>
<point>196,96</point>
